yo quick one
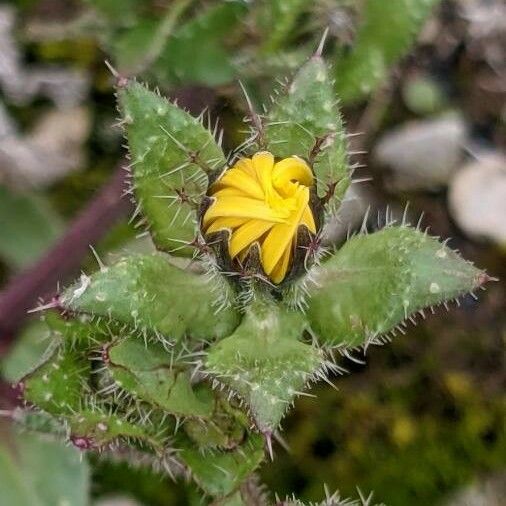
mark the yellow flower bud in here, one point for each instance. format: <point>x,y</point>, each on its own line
<point>260,201</point>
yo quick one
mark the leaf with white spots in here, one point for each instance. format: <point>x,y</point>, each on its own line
<point>58,385</point>
<point>172,154</point>
<point>374,282</point>
<point>306,122</point>
<point>94,428</point>
<point>264,363</point>
<point>147,292</point>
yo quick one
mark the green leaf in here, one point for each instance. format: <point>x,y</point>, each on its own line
<point>137,47</point>
<point>196,52</point>
<point>26,351</point>
<point>386,33</point>
<point>264,362</point>
<point>306,122</point>
<point>93,429</point>
<point>28,227</point>
<point>129,46</point>
<point>148,292</point>
<point>278,19</point>
<point>171,153</point>
<point>221,473</point>
<point>82,330</point>
<point>57,386</point>
<point>152,374</point>
<point>374,282</point>
<point>41,472</point>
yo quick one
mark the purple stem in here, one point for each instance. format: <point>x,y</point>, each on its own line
<point>62,261</point>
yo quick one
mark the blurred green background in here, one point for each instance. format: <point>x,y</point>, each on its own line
<point>423,84</point>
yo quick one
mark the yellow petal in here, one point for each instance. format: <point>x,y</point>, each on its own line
<point>279,272</point>
<point>281,235</point>
<point>228,192</point>
<point>246,165</point>
<point>241,181</point>
<point>263,162</point>
<point>241,207</point>
<point>224,224</point>
<point>247,234</point>
<point>292,169</point>
<point>263,203</point>
<point>308,220</point>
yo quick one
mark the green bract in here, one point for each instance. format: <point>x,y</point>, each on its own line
<point>192,369</point>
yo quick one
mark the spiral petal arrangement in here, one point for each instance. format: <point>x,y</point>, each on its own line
<point>263,202</point>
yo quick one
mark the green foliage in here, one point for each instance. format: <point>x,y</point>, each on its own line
<point>375,282</point>
<point>156,376</point>
<point>385,34</point>
<point>172,154</point>
<point>25,354</point>
<point>197,53</point>
<point>38,472</point>
<point>167,46</point>
<point>264,362</point>
<point>385,423</point>
<point>277,18</point>
<point>149,293</point>
<point>306,122</point>
<point>28,227</point>
<point>93,428</point>
<point>195,366</point>
<point>220,473</point>
<point>58,385</point>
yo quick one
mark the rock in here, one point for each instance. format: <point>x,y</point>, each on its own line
<point>7,126</point>
<point>489,492</point>
<point>422,155</point>
<point>20,84</point>
<point>350,216</point>
<point>63,132</point>
<point>477,198</point>
<point>422,94</point>
<point>50,151</point>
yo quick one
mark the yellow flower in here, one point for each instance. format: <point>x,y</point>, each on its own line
<point>263,202</point>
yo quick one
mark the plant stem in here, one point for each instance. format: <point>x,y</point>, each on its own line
<point>162,34</point>
<point>63,260</point>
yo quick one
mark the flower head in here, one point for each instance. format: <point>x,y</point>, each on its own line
<point>260,201</point>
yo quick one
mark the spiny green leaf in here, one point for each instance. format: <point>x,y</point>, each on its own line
<point>148,292</point>
<point>41,472</point>
<point>224,430</point>
<point>306,122</point>
<point>264,362</point>
<point>58,385</point>
<point>376,281</point>
<point>220,473</point>
<point>154,375</point>
<point>385,35</point>
<point>92,429</point>
<point>171,153</point>
<point>81,331</point>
